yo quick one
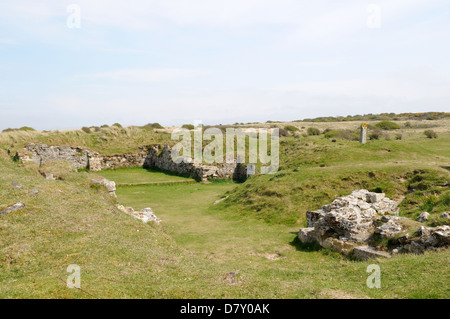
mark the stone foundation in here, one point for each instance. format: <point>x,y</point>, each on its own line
<point>155,156</point>
<point>80,158</point>
<point>161,157</point>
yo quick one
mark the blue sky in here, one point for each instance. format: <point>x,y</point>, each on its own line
<point>177,61</point>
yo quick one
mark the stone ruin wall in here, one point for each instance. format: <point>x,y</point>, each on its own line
<point>160,157</point>
<point>80,158</point>
<point>155,156</point>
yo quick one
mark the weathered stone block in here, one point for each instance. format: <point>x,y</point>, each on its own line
<point>307,235</point>
<point>374,197</point>
<point>367,252</point>
<point>12,208</point>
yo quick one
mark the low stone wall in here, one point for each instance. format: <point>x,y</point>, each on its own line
<point>41,153</point>
<point>80,158</point>
<point>161,157</point>
<point>98,162</point>
<point>149,157</point>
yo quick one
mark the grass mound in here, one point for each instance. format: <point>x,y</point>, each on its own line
<point>285,197</point>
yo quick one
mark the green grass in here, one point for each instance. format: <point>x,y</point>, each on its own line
<point>231,241</point>
<point>140,175</point>
<point>314,171</point>
<point>253,231</point>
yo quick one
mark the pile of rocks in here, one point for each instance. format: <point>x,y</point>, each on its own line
<point>146,214</point>
<point>429,238</point>
<point>347,224</point>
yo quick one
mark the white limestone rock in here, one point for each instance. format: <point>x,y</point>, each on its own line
<point>423,217</point>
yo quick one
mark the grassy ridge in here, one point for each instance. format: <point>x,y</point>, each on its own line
<point>315,170</point>
<point>382,117</point>
<point>108,140</point>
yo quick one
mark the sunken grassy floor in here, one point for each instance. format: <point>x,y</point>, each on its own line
<point>136,175</point>
<point>268,258</point>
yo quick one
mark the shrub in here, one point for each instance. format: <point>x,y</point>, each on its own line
<point>283,132</point>
<point>105,126</point>
<point>23,128</point>
<point>188,126</point>
<point>388,126</point>
<point>374,136</point>
<point>291,128</point>
<point>313,131</point>
<point>342,134</point>
<point>86,129</point>
<point>331,133</point>
<point>398,137</point>
<point>26,128</point>
<point>117,125</point>
<point>408,125</point>
<point>430,134</point>
<point>154,125</point>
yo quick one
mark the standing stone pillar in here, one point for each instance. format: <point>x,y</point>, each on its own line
<point>251,170</point>
<point>363,135</point>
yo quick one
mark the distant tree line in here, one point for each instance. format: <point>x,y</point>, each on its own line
<point>381,117</point>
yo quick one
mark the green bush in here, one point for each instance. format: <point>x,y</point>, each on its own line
<point>188,126</point>
<point>313,131</point>
<point>282,132</point>
<point>26,128</point>
<point>291,128</point>
<point>342,134</point>
<point>154,125</point>
<point>86,129</point>
<point>388,126</point>
<point>117,125</point>
<point>430,134</point>
<point>23,128</point>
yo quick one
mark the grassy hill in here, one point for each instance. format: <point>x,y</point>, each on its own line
<point>243,247</point>
<point>315,170</point>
